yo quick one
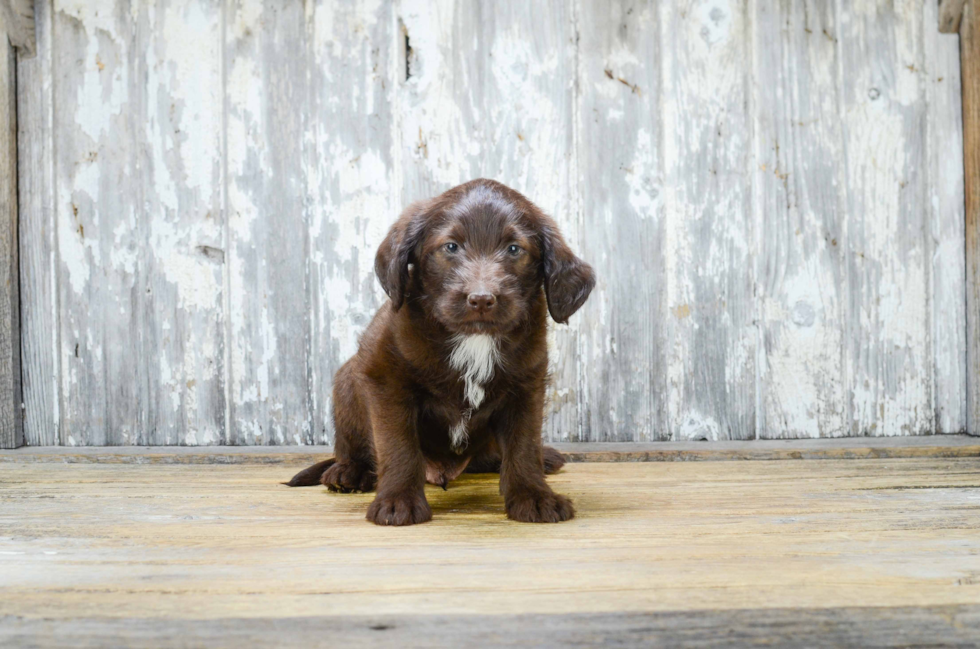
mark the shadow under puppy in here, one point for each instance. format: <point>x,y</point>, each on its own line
<point>450,374</point>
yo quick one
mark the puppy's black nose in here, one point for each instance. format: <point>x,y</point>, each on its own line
<point>481,301</point>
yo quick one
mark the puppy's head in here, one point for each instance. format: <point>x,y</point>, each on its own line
<point>476,257</point>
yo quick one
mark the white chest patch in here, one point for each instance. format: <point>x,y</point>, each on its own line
<point>459,434</point>
<point>475,357</point>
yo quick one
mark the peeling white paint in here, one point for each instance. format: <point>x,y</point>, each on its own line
<point>697,427</point>
<point>715,20</point>
<point>644,192</point>
<point>758,270</point>
<point>189,35</point>
<point>96,111</point>
<point>198,285</point>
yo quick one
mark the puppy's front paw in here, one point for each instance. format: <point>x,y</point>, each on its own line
<point>540,507</point>
<point>399,509</point>
<point>349,477</point>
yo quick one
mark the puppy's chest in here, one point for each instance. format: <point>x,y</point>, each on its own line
<point>475,362</point>
<point>476,359</point>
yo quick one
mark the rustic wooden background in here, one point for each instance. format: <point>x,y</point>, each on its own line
<point>771,193</point>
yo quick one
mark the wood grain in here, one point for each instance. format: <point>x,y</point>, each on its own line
<point>183,248</point>
<point>623,396</point>
<point>799,221</point>
<point>707,126</point>
<point>352,182</point>
<point>883,111</point>
<point>11,415</point>
<point>98,89</point>
<point>40,270</point>
<point>107,543</point>
<point>267,94</point>
<point>970,61</point>
<point>945,204</point>
<point>858,626</point>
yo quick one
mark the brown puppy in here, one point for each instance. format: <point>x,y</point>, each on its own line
<point>450,374</point>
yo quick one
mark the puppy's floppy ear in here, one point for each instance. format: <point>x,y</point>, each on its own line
<point>567,279</point>
<point>396,252</point>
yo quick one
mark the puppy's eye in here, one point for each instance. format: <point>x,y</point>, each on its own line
<point>451,247</point>
<point>514,249</point>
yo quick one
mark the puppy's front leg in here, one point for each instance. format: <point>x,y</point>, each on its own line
<point>401,467</point>
<point>527,497</point>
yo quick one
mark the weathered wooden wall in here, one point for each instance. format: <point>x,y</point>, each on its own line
<point>970,58</point>
<point>11,420</point>
<point>771,193</point>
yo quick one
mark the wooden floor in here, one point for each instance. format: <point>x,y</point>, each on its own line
<point>802,553</point>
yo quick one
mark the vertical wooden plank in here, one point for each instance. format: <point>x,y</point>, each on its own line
<point>883,115</point>
<point>351,181</point>
<point>181,145</point>
<point>799,266</point>
<point>38,253</point>
<point>488,94</point>
<point>970,62</point>
<point>945,208</point>
<point>707,158</point>
<point>268,236</point>
<point>430,132</point>
<point>620,179</point>
<point>97,92</point>
<point>11,421</point>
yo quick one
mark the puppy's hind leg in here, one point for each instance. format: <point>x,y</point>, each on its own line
<point>553,460</point>
<point>489,461</point>
<point>355,467</point>
<point>310,476</point>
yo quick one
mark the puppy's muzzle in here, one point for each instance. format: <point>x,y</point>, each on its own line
<point>481,302</point>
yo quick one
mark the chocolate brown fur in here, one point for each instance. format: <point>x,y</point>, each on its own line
<point>482,264</point>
